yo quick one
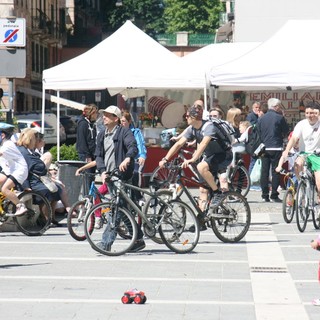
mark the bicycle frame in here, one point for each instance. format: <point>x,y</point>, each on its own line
<point>120,193</point>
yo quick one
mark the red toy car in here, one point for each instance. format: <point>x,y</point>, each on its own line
<point>134,295</point>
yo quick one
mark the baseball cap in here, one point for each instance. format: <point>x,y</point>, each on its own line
<point>114,110</point>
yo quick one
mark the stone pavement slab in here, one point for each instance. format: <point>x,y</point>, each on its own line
<point>272,274</point>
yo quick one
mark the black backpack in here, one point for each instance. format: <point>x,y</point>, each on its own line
<point>254,142</point>
<point>224,133</point>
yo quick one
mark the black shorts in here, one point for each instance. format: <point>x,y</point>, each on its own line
<point>219,162</point>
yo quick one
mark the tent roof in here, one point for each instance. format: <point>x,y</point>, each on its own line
<point>128,58</point>
<point>288,60</point>
<point>200,61</point>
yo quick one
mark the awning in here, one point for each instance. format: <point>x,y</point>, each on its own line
<point>52,98</point>
<point>224,33</point>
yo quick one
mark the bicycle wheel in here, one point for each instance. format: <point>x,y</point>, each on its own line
<point>75,219</point>
<point>315,219</point>
<point>38,217</point>
<point>151,211</point>
<point>239,180</point>
<point>288,206</point>
<point>161,178</point>
<point>176,219</point>
<point>314,211</point>
<point>302,210</point>
<point>118,230</point>
<point>231,219</point>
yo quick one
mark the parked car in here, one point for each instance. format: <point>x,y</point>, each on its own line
<point>70,127</point>
<point>50,133</point>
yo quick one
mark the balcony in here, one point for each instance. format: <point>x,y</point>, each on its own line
<point>194,40</point>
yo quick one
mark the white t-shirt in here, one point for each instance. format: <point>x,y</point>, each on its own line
<point>13,162</point>
<point>308,135</point>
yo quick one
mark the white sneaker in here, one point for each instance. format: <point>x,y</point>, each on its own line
<point>98,223</point>
<point>20,209</point>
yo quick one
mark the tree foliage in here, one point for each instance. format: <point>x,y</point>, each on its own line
<point>193,16</point>
<point>160,16</point>
<point>147,15</point>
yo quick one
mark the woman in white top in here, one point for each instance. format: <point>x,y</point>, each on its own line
<point>14,169</point>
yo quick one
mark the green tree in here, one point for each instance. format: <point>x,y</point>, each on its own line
<point>147,15</point>
<point>193,16</point>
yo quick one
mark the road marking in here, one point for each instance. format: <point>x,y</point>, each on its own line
<point>117,301</point>
<point>112,259</point>
<point>98,278</point>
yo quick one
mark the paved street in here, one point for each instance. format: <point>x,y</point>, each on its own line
<point>270,275</point>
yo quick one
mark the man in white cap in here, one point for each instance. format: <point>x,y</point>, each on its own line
<point>273,128</point>
<point>117,148</point>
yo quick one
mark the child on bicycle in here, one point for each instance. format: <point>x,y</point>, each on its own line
<point>14,169</point>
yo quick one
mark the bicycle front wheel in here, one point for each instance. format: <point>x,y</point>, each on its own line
<point>75,219</point>
<point>118,230</point>
<point>302,210</point>
<point>175,230</point>
<point>288,206</point>
<point>38,217</point>
<point>240,180</point>
<point>231,219</point>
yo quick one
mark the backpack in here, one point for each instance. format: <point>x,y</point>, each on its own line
<point>224,132</point>
<point>254,142</point>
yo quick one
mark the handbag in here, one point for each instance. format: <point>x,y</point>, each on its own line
<point>48,182</point>
<point>256,171</point>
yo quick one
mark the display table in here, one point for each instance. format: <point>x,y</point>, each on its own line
<point>156,153</point>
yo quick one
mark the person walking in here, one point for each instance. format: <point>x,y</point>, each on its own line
<point>126,121</point>
<point>273,129</point>
<point>117,148</point>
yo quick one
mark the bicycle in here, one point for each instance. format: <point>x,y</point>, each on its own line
<point>36,220</point>
<point>288,201</point>
<point>119,229</point>
<point>78,211</point>
<point>305,201</point>
<point>231,218</point>
<point>238,176</point>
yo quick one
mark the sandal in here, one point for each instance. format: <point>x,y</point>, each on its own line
<point>20,209</point>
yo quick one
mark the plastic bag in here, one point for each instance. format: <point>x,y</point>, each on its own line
<point>48,182</point>
<point>256,172</point>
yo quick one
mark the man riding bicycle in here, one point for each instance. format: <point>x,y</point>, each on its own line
<point>215,157</point>
<point>307,134</point>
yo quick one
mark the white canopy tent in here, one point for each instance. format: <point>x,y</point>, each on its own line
<point>129,58</point>
<point>127,61</point>
<point>200,61</point>
<point>289,60</point>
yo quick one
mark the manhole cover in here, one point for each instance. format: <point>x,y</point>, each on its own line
<point>269,269</point>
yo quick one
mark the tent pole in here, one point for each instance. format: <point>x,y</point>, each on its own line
<point>146,107</point>
<point>58,126</point>
<point>43,111</point>
<point>205,98</point>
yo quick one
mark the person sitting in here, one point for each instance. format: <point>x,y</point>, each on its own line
<point>27,145</point>
<point>14,169</point>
